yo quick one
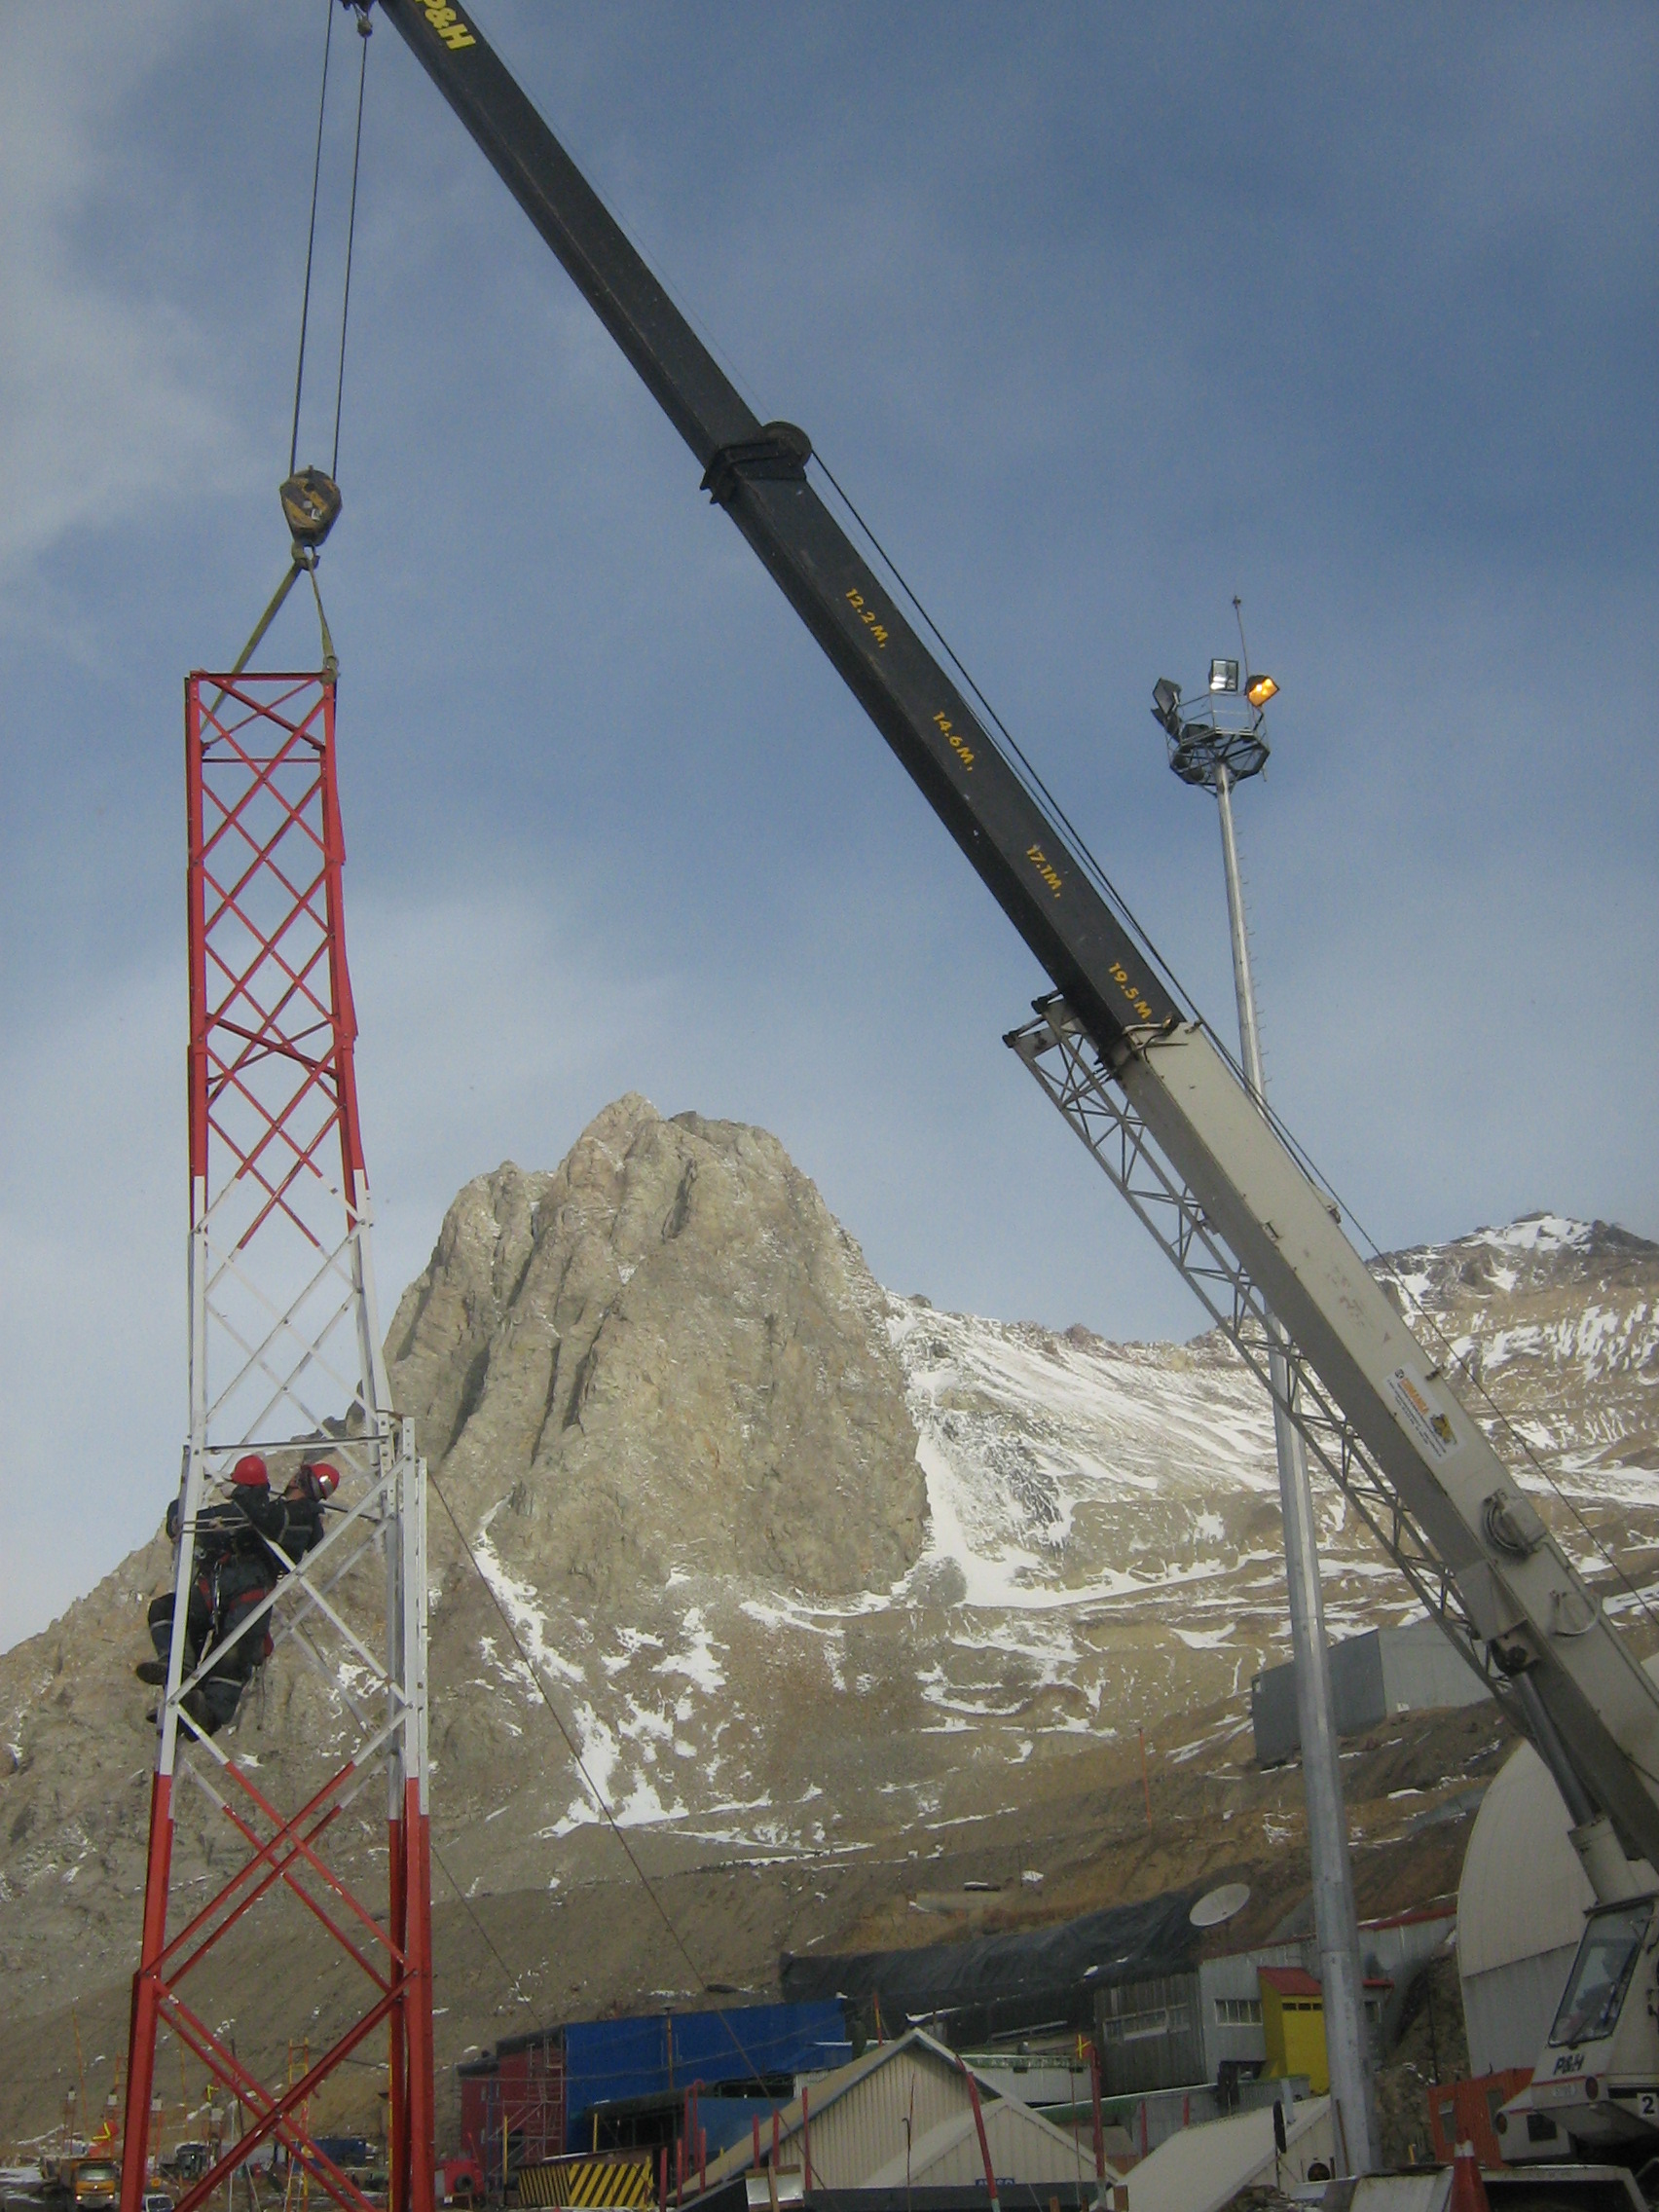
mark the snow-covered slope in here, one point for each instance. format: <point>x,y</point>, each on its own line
<point>1102,1516</point>
<point>1102,1550</point>
<point>803,1568</point>
<point>1555,1324</point>
<point>1100,1510</point>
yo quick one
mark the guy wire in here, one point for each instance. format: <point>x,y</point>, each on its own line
<point>513,1989</point>
<point>698,1979</point>
<point>1115,898</point>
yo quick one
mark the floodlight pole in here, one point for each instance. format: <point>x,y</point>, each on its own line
<point>1205,752</point>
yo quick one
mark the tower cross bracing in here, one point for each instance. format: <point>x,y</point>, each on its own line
<point>285,1362</point>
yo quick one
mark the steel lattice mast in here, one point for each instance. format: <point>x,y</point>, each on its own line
<point>286,1360</point>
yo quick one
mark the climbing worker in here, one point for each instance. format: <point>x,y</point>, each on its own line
<point>233,1572</point>
<point>304,1502</point>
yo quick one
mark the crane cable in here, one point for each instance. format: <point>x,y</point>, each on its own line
<point>310,500</point>
<point>365,31</point>
<point>311,238</point>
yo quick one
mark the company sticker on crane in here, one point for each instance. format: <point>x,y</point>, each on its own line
<point>448,25</point>
<point>1432,1429</point>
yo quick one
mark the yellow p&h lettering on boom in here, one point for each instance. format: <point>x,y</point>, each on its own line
<point>450,28</point>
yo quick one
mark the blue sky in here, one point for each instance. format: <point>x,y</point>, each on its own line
<point>1102,314</point>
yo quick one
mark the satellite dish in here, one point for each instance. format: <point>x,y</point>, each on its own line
<point>1220,1906</point>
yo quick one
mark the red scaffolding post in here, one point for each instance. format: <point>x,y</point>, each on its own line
<point>285,1361</point>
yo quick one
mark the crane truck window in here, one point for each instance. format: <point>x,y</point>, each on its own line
<point>1601,1974</point>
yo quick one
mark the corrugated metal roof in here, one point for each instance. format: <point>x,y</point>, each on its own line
<point>1023,2146</point>
<point>1290,1981</point>
<point>860,2114</point>
<point>1201,2169</point>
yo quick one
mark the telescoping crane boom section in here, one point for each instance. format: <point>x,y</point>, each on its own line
<point>1385,1418</point>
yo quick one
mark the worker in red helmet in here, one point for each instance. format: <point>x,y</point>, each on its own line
<point>233,1571</point>
<point>304,1501</point>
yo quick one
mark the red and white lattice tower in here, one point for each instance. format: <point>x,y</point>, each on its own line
<point>286,1360</point>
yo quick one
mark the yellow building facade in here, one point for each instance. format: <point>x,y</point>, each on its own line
<point>1293,2026</point>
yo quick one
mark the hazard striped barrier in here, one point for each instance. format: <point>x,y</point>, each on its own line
<point>594,2183</point>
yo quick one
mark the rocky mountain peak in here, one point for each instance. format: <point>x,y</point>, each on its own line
<point>1537,1251</point>
<point>827,1587</point>
<point>1542,1313</point>
<point>665,1355</point>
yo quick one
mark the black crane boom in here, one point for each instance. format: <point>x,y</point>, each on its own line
<point>757,472</point>
<point>1443,1503</point>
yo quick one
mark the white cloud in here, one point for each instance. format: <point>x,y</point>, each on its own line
<point>106,412</point>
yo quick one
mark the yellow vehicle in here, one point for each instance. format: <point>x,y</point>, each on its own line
<point>97,2180</point>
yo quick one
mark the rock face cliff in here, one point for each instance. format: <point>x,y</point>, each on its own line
<point>669,1336</point>
<point>661,1397</point>
<point>832,1592</point>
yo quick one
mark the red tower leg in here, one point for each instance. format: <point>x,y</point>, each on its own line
<point>286,1360</point>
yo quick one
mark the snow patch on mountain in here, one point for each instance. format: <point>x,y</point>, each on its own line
<point>518,1601</point>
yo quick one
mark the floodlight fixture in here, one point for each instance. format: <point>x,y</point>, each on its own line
<point>1210,739</point>
<point>1167,706</point>
<point>1259,691</point>
<point>1224,676</point>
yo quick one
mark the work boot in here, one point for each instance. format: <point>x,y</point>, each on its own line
<point>152,1671</point>
<point>199,1711</point>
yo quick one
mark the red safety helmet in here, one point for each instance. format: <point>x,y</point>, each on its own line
<point>250,1472</point>
<point>325,1477</point>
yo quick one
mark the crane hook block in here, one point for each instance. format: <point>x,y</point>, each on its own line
<point>779,454</point>
<point>311,504</point>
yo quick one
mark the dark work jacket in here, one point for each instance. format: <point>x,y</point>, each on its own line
<point>303,1532</point>
<point>232,1562</point>
<point>237,1523</point>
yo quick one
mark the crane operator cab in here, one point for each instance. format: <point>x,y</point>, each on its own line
<point>1598,2077</point>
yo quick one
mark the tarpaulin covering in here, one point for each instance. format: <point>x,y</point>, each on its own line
<point>1000,1984</point>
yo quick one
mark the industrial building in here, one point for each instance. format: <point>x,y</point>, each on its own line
<point>1019,1987</point>
<point>903,2117</point>
<point>1386,1670</point>
<point>1164,2006</point>
<point>1150,2034</point>
<point>1226,2021</point>
<point>622,2085</point>
<point>1182,2031</point>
